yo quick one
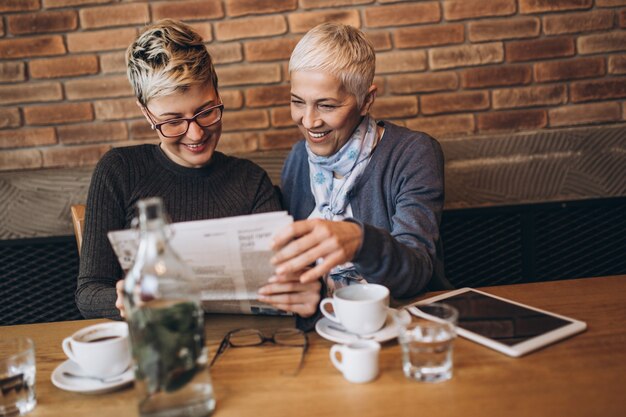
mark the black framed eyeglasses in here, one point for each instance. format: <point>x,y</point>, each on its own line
<point>289,337</point>
<point>177,127</point>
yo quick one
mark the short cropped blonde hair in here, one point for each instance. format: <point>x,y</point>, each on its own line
<point>340,50</point>
<point>167,57</point>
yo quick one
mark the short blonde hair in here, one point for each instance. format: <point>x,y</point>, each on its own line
<point>167,57</point>
<point>340,50</point>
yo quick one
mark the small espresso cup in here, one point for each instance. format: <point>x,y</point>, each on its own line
<point>360,308</point>
<point>101,350</point>
<point>359,360</point>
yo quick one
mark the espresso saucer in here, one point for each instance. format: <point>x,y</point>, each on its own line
<point>335,332</point>
<point>86,385</point>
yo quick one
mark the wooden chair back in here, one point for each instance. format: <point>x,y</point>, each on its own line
<point>78,220</point>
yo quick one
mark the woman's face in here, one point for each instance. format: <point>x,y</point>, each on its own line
<point>324,111</point>
<point>195,148</point>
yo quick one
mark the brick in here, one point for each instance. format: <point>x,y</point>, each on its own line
<point>205,30</point>
<point>402,61</point>
<point>1,27</point>
<point>31,47</point>
<point>496,76</point>
<point>279,139</point>
<point>542,6</point>
<point>113,62</point>
<point>51,4</point>
<point>73,156</point>
<point>100,40</point>
<point>578,22</point>
<point>598,90</point>
<point>21,159</point>
<point>249,74</point>
<point>140,129</point>
<point>610,3</point>
<point>274,95</point>
<point>529,96</point>
<point>605,42</point>
<point>124,108</point>
<point>470,9</point>
<point>246,7</point>
<point>225,53</point>
<point>86,133</point>
<point>493,30</point>
<point>454,102</point>
<point>425,36</point>
<point>466,55</point>
<point>269,50</point>
<point>315,4</point>
<point>100,87</point>
<point>511,121</point>
<point>232,99</point>
<point>403,14</point>
<point>63,67</point>
<point>395,107</point>
<point>190,10</point>
<point>617,64</point>
<point>19,5</point>
<point>12,72</point>
<point>281,117</point>
<point>59,113</point>
<point>250,28</point>
<point>302,22</point>
<point>569,70</point>
<point>443,126</point>
<point>621,17</point>
<point>422,83</point>
<point>42,22</point>
<point>380,40</point>
<point>10,117</point>
<point>30,93</point>
<point>519,51</point>
<point>238,142</point>
<point>585,114</point>
<point>245,120</point>
<point>117,15</point>
<point>27,138</point>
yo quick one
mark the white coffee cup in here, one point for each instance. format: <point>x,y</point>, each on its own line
<point>359,360</point>
<point>101,350</point>
<point>360,308</point>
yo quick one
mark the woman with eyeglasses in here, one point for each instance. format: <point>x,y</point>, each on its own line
<point>173,78</point>
<point>368,193</point>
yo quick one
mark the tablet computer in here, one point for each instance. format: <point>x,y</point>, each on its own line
<point>507,326</point>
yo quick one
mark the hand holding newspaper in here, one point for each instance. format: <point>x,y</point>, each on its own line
<point>230,257</point>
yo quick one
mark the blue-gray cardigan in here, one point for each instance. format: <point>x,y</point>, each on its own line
<point>398,203</point>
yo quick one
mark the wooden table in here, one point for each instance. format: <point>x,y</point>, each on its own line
<point>581,376</point>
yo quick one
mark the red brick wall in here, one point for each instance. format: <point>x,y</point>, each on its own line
<point>448,67</point>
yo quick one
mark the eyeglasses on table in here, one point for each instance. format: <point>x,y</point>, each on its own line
<point>289,337</point>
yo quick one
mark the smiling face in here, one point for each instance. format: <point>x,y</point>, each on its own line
<point>195,148</point>
<point>324,111</point>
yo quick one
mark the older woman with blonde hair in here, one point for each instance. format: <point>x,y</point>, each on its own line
<point>368,193</point>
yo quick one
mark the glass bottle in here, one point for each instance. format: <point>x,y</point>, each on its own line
<point>166,322</point>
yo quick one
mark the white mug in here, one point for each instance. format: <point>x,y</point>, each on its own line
<point>101,350</point>
<point>360,308</point>
<point>359,360</point>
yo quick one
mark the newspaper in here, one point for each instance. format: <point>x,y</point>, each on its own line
<point>230,257</point>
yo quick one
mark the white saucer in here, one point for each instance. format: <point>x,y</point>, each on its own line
<point>335,332</point>
<point>85,385</point>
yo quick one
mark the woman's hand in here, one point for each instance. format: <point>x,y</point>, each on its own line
<point>303,242</point>
<point>119,302</point>
<point>288,293</point>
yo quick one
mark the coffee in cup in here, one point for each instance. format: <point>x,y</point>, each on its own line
<point>360,308</point>
<point>101,350</point>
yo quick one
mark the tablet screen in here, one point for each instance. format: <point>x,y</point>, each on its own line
<point>499,320</point>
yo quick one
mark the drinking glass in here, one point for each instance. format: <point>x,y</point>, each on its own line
<point>17,377</point>
<point>427,342</point>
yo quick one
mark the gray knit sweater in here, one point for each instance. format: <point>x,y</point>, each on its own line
<point>398,202</point>
<point>228,186</point>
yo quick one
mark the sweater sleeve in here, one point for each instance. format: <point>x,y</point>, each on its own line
<point>405,258</point>
<point>99,268</point>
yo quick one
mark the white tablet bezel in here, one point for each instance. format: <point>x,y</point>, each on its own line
<point>575,326</point>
